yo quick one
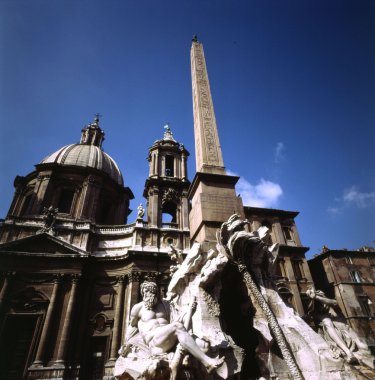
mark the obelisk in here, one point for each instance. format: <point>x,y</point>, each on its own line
<point>212,192</point>
<point>208,155</point>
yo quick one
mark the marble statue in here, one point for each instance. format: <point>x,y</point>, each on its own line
<point>176,256</point>
<point>279,329</point>
<point>49,218</point>
<point>153,330</point>
<point>342,339</point>
<point>214,299</point>
<point>141,212</point>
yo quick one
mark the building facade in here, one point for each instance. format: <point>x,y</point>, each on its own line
<point>71,268</point>
<point>349,277</point>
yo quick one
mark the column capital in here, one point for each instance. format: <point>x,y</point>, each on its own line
<point>57,278</point>
<point>152,276</point>
<point>8,274</point>
<point>135,276</point>
<point>121,279</point>
<point>75,277</point>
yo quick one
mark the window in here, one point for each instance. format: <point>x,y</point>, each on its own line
<point>26,204</point>
<point>169,213</point>
<point>66,200</point>
<point>349,260</point>
<point>354,275</point>
<point>287,233</point>
<point>280,268</point>
<point>169,164</point>
<point>298,269</point>
<point>104,211</point>
<point>366,305</point>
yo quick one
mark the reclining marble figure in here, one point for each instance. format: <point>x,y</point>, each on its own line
<point>151,319</point>
<point>342,339</point>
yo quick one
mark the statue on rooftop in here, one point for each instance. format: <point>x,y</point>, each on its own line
<point>141,212</point>
<point>49,218</point>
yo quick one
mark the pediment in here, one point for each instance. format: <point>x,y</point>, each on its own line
<point>43,243</point>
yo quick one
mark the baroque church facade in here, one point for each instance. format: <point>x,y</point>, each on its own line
<point>72,265</point>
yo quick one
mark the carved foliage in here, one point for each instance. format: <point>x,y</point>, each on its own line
<point>170,195</point>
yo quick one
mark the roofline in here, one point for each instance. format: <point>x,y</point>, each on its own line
<point>343,252</point>
<point>58,241</point>
<point>271,211</point>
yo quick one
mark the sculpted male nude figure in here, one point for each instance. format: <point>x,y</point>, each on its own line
<point>151,318</point>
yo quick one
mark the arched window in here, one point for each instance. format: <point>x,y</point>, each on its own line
<point>104,211</point>
<point>366,305</point>
<point>280,268</point>
<point>65,201</point>
<point>26,204</point>
<point>169,213</point>
<point>169,166</point>
<point>298,268</point>
<point>355,276</point>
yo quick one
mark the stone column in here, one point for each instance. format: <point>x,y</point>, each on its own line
<point>289,269</point>
<point>255,225</point>
<point>184,211</point>
<point>7,276</point>
<point>281,263</point>
<point>63,344</point>
<point>279,235</point>
<point>176,167</point>
<point>306,270</point>
<point>156,166</point>
<point>183,166</point>
<point>116,333</point>
<point>39,192</point>
<point>297,240</point>
<point>89,198</point>
<point>162,174</point>
<point>154,207</point>
<point>151,165</point>
<point>47,322</point>
<point>131,297</point>
<point>293,286</point>
<point>15,205</point>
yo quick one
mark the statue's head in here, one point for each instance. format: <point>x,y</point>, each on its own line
<point>149,292</point>
<point>232,225</point>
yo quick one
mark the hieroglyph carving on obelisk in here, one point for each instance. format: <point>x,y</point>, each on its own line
<point>209,158</point>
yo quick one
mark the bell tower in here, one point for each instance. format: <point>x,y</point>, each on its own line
<point>167,184</point>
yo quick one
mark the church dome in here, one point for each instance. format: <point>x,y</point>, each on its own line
<point>83,155</point>
<point>87,153</point>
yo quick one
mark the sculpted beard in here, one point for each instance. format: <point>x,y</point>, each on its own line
<point>149,300</point>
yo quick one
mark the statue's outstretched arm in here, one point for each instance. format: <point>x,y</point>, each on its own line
<point>326,300</point>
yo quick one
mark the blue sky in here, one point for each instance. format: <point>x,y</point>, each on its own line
<point>293,85</point>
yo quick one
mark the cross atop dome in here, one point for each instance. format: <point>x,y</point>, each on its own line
<point>92,134</point>
<point>97,118</point>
